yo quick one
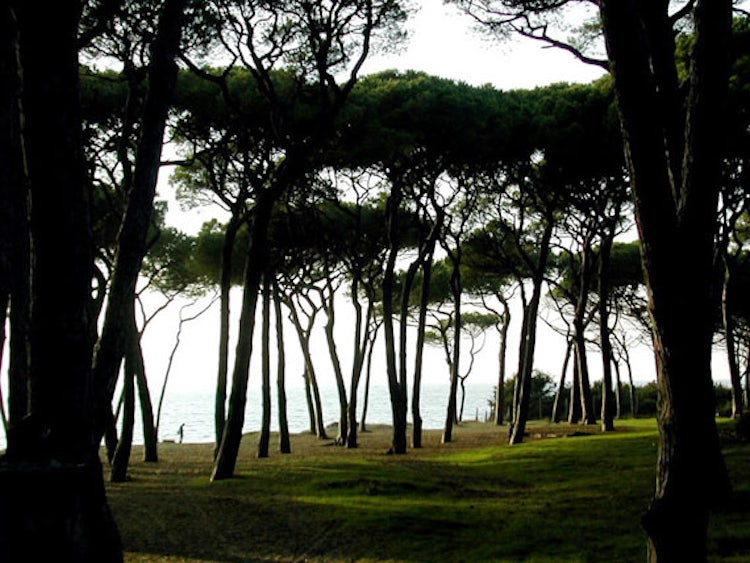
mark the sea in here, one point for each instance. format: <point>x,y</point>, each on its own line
<point>195,410</point>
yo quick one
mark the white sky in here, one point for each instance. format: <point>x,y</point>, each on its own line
<point>443,43</point>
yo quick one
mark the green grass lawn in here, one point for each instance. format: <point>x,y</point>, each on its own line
<point>559,499</point>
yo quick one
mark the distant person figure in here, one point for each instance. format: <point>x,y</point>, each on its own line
<point>181,432</point>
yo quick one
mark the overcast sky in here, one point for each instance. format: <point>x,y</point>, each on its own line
<point>443,43</point>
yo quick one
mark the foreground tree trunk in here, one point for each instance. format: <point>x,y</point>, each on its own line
<point>14,224</point>
<point>674,166</point>
<point>52,500</point>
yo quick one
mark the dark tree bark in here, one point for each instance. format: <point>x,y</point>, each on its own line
<point>529,338</point>
<point>314,404</point>
<point>416,415</point>
<point>501,362</point>
<point>121,457</point>
<point>676,196</point>
<point>225,288</point>
<point>52,499</point>
<point>256,261</point>
<point>609,409</point>
<point>555,417</point>
<point>729,328</point>
<point>131,240</point>
<point>328,305</point>
<point>456,291</point>
<point>14,227</point>
<point>397,392</point>
<point>285,445</point>
<point>579,325</point>
<point>264,436</point>
<point>574,406</point>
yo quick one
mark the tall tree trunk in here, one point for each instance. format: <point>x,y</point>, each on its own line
<point>131,239</point>
<point>309,401</point>
<point>255,263</point>
<point>579,325</point>
<point>368,372</point>
<point>315,407</point>
<point>4,300</point>
<point>502,356</point>
<point>14,224</point>
<point>285,444</point>
<point>398,400</point>
<point>675,205</point>
<point>264,436</point>
<point>456,290</point>
<point>361,338</point>
<point>329,306</point>
<point>52,499</point>
<point>608,400</point>
<point>150,440</point>
<point>618,389</point>
<point>574,406</point>
<point>555,417</point>
<point>416,397</point>
<point>121,458</point>
<point>734,368</point>
<point>529,338</point>
<point>220,400</point>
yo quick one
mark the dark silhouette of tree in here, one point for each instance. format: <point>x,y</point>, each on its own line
<point>53,503</point>
<point>673,130</point>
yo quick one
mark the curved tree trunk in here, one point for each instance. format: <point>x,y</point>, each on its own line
<point>315,406</point>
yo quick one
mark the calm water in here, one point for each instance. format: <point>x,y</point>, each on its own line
<point>195,410</point>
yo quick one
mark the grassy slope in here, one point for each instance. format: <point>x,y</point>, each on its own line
<point>570,499</point>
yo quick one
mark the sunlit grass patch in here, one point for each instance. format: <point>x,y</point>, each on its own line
<point>575,498</point>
